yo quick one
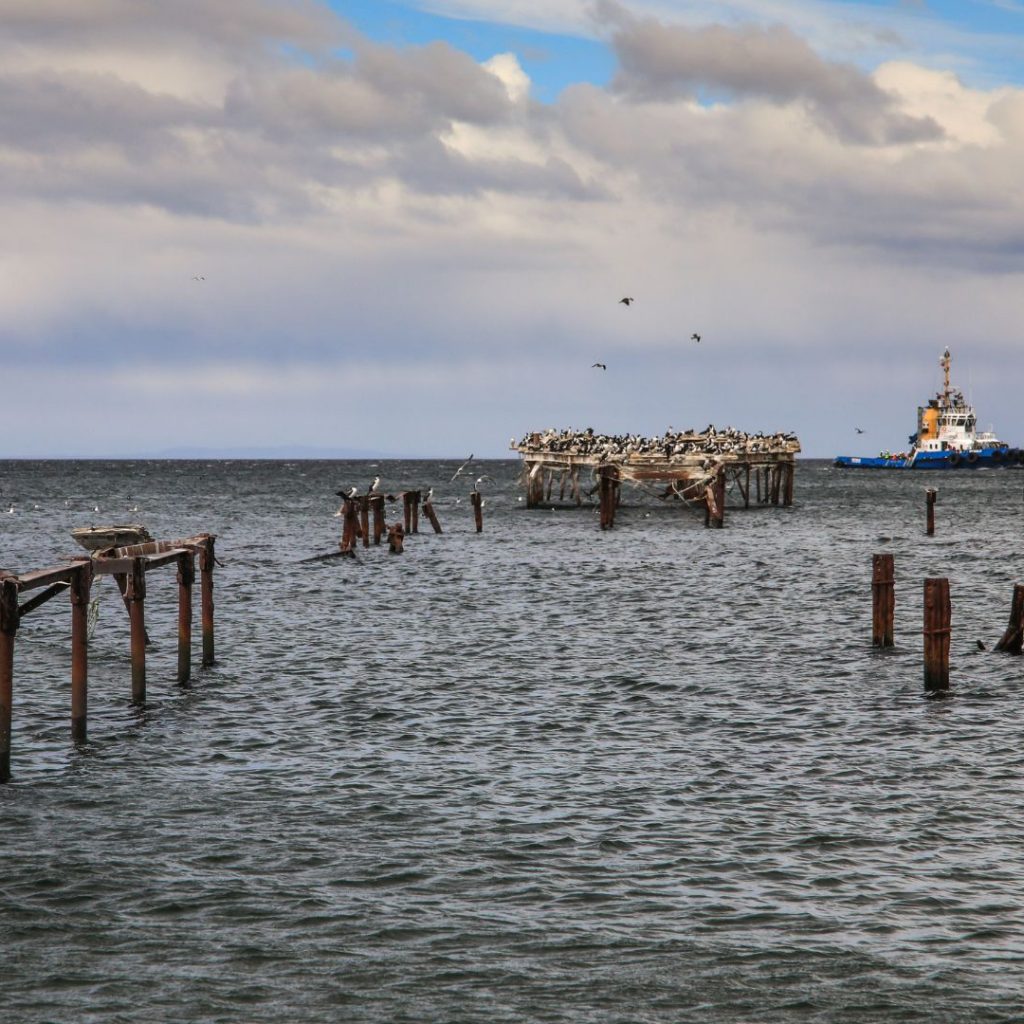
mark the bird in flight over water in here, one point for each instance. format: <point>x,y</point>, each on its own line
<point>696,337</point>
<point>859,431</point>
<point>600,366</point>
<point>458,472</point>
<point>627,300</point>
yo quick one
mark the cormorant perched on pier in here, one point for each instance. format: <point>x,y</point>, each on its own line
<point>375,486</point>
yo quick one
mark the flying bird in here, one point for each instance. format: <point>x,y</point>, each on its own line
<point>198,277</point>
<point>458,472</point>
<point>600,366</point>
<point>627,300</point>
<point>859,431</point>
<point>695,337</point>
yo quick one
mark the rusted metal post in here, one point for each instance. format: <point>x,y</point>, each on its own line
<point>350,528</point>
<point>396,537</point>
<point>9,620</point>
<point>428,510</point>
<point>478,510</point>
<point>81,584</point>
<point>206,563</point>
<point>930,494</point>
<point>1012,640</point>
<point>606,506</point>
<point>414,499</point>
<point>135,594</point>
<point>407,510</point>
<point>883,600</point>
<point>787,496</point>
<point>186,577</point>
<point>937,615</point>
<point>378,517</point>
<point>364,519</point>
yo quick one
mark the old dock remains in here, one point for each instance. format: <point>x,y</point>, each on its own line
<point>696,468</point>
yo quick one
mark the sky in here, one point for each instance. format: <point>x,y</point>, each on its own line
<point>403,227</point>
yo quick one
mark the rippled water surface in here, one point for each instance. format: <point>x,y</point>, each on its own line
<point>542,773</point>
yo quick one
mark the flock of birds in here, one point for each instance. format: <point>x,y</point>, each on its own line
<point>710,441</point>
<point>374,489</point>
<point>628,300</point>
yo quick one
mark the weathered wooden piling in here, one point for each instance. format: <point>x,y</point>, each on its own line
<point>9,621</point>
<point>428,511</point>
<point>937,615</point>
<point>883,600</point>
<point>206,564</point>
<point>930,494</point>
<point>377,502</point>
<point>396,536</point>
<point>478,510</point>
<point>80,589</point>
<point>714,501</point>
<point>1012,641</point>
<point>135,594</point>
<point>606,483</point>
<point>415,500</point>
<point>350,527</point>
<point>186,578</point>
<point>364,519</point>
<point>407,510</point>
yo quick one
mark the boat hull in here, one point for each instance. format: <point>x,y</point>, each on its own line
<point>983,458</point>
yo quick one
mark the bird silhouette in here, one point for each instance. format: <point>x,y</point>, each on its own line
<point>600,366</point>
<point>198,277</point>
<point>627,300</point>
<point>859,431</point>
<point>696,337</point>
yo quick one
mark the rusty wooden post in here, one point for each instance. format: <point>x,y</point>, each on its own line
<point>576,487</point>
<point>930,501</point>
<point>135,593</point>
<point>186,577</point>
<point>414,499</point>
<point>787,496</point>
<point>535,496</point>
<point>936,634</point>
<point>428,510</point>
<point>883,600</point>
<point>746,487</point>
<point>551,480</point>
<point>478,510</point>
<point>407,510</point>
<point>81,584</point>
<point>396,536</point>
<point>9,620</point>
<point>364,519</point>
<point>206,563</point>
<point>350,527</point>
<point>378,517</point>
<point>1012,641</point>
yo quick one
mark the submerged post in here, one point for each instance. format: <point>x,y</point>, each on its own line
<point>135,595</point>
<point>1012,640</point>
<point>478,510</point>
<point>930,494</point>
<point>81,584</point>
<point>9,620</point>
<point>937,617</point>
<point>396,537</point>
<point>186,577</point>
<point>206,563</point>
<point>883,600</point>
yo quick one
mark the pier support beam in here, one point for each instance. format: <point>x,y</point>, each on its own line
<point>930,495</point>
<point>377,501</point>
<point>80,589</point>
<point>135,595</point>
<point>937,615</point>
<point>478,510</point>
<point>186,578</point>
<point>364,519</point>
<point>9,621</point>
<point>883,600</point>
<point>206,564</point>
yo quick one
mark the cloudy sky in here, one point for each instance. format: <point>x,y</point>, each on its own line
<point>404,227</point>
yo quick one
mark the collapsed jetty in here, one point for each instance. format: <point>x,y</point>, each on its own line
<point>695,467</point>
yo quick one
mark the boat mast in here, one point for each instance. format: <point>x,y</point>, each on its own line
<point>944,363</point>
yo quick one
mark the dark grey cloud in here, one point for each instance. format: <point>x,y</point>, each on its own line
<point>661,62</point>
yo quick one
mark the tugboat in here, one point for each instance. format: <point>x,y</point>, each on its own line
<point>946,438</point>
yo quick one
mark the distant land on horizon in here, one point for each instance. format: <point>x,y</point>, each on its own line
<point>256,452</point>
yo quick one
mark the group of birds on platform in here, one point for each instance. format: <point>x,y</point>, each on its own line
<point>710,441</point>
